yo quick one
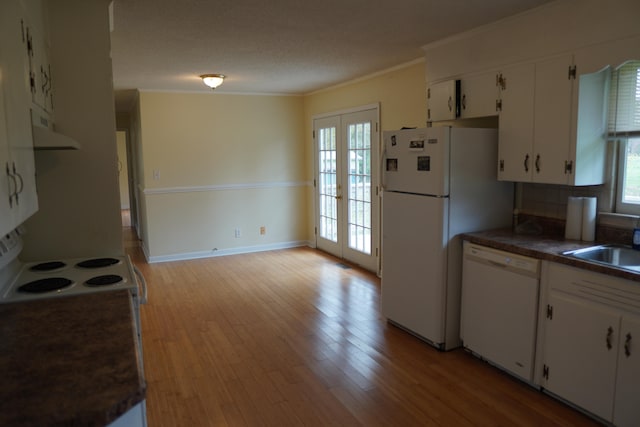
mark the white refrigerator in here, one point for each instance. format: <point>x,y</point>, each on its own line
<point>438,182</point>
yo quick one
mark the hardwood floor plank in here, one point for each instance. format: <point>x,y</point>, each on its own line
<point>291,337</point>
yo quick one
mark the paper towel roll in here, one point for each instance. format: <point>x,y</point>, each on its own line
<point>589,218</point>
<point>573,226</point>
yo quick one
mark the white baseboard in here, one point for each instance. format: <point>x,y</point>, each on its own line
<point>222,252</point>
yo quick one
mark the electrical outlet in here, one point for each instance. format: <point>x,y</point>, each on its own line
<point>263,230</point>
<point>237,233</point>
<point>156,174</point>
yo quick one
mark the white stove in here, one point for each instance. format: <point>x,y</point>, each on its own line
<point>21,282</point>
<point>65,277</point>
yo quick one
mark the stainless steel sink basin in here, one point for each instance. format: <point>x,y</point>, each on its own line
<point>613,255</point>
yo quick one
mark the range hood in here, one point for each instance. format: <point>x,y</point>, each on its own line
<point>45,138</point>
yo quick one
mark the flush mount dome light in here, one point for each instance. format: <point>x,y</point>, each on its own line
<point>212,80</point>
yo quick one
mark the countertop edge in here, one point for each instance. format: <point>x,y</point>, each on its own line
<point>63,370</point>
<point>547,248</point>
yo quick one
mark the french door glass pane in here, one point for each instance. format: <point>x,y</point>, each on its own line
<point>327,184</point>
<point>359,186</point>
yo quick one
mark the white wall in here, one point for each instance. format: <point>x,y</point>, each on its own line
<point>223,162</point>
<point>79,211</point>
<point>214,163</point>
<point>123,172</point>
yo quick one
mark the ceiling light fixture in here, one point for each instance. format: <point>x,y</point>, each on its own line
<point>212,80</point>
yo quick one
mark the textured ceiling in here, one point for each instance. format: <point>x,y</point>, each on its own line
<point>281,46</point>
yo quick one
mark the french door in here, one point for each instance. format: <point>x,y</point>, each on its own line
<point>346,186</point>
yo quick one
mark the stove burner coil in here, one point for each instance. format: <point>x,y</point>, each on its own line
<point>48,266</point>
<point>105,280</point>
<point>97,263</point>
<point>45,285</point>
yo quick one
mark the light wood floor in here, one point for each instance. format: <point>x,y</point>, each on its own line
<point>292,338</point>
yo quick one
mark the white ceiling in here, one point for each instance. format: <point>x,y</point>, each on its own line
<point>280,46</point>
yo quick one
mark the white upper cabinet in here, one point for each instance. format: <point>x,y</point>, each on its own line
<point>471,97</point>
<point>7,184</point>
<point>40,80</point>
<point>478,95</point>
<point>552,119</point>
<point>587,148</point>
<point>552,123</point>
<point>570,122</point>
<point>515,149</point>
<point>18,196</point>
<point>443,101</point>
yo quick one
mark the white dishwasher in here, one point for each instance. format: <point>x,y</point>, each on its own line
<point>500,307</point>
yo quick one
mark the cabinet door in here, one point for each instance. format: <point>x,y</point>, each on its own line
<point>627,403</point>
<point>7,185</point>
<point>552,120</point>
<point>441,98</point>
<point>580,353</point>
<point>38,55</point>
<point>17,101</point>
<point>587,151</point>
<point>478,96</point>
<point>515,132</point>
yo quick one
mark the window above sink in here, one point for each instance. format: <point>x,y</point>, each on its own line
<point>624,127</point>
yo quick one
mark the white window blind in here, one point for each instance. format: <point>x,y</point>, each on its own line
<point>624,127</point>
<point>624,101</point>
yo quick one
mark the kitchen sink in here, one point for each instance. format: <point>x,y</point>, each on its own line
<point>613,255</point>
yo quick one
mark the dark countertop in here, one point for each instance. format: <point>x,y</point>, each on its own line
<point>545,247</point>
<point>69,361</point>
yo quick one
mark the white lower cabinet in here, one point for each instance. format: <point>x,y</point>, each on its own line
<point>627,401</point>
<point>578,364</point>
<point>588,357</point>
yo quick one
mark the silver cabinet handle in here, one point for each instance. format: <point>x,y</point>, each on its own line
<point>449,103</point>
<point>526,163</point>
<point>538,163</point>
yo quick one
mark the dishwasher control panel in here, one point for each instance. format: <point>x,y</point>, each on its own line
<point>498,258</point>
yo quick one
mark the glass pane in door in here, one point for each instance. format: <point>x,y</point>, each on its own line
<point>327,184</point>
<point>359,186</point>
